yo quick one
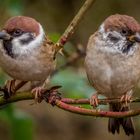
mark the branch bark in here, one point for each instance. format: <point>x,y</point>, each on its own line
<point>72,26</point>
<point>64,104</point>
<point>94,112</point>
<point>101,101</point>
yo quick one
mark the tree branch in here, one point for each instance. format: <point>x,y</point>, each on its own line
<point>96,113</point>
<point>64,104</point>
<point>101,101</point>
<point>72,26</point>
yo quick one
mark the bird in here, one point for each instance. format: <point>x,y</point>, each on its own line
<point>112,65</point>
<point>26,53</point>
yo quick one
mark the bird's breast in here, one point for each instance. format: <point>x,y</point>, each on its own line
<point>27,68</point>
<point>112,74</point>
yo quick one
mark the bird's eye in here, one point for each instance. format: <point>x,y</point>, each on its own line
<point>124,32</point>
<point>17,32</point>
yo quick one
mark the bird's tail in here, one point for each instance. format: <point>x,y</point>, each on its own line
<point>115,123</point>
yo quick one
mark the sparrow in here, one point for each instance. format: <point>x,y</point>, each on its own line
<point>113,65</point>
<point>26,53</point>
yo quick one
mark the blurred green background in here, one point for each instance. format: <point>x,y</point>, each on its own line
<point>23,121</point>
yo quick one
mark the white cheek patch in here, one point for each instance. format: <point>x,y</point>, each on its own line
<point>114,47</point>
<point>25,49</point>
<point>106,34</point>
<point>22,37</point>
<point>102,29</point>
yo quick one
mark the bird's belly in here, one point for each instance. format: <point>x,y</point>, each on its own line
<point>28,73</point>
<point>113,78</point>
<point>27,70</point>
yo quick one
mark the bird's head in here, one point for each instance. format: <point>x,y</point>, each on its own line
<point>21,35</point>
<point>120,33</point>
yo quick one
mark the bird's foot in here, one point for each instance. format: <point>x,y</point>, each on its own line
<point>49,95</point>
<point>9,88</point>
<point>126,98</point>
<point>94,100</point>
<point>52,94</point>
<point>37,92</point>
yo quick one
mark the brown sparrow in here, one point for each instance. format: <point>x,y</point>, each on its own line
<point>26,54</point>
<point>113,65</point>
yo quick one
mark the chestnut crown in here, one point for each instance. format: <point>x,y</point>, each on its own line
<point>121,22</point>
<point>21,36</point>
<point>18,24</point>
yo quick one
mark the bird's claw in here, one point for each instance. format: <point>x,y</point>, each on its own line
<point>126,98</point>
<point>9,88</point>
<point>37,92</point>
<point>94,100</point>
<point>49,95</point>
<point>52,95</point>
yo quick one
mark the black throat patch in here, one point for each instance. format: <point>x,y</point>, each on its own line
<point>7,45</point>
<point>128,47</point>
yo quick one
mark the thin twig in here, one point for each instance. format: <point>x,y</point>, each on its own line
<point>71,60</point>
<point>19,85</point>
<point>100,101</point>
<point>72,26</point>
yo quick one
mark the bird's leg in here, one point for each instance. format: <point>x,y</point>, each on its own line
<point>94,100</point>
<point>39,90</point>
<point>11,86</point>
<point>127,97</point>
<point>19,84</point>
<point>49,95</point>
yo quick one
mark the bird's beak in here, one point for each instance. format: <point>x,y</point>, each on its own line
<point>4,35</point>
<point>134,38</point>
